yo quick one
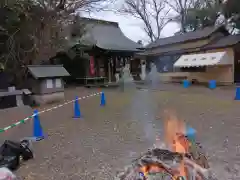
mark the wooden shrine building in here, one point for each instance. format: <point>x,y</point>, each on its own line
<point>106,50</point>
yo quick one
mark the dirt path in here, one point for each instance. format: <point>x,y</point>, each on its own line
<point>107,138</point>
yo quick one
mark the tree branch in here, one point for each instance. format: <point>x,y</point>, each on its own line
<point>151,12</point>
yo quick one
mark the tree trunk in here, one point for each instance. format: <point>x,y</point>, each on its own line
<point>182,14</point>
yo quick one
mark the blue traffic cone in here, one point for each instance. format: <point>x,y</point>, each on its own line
<point>77,112</point>
<point>186,83</point>
<point>191,134</point>
<point>103,100</point>
<point>212,84</point>
<point>237,95</point>
<point>37,128</point>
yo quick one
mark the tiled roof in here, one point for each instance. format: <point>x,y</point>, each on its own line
<point>106,35</point>
<point>190,36</point>
<point>226,41</point>
<point>44,71</point>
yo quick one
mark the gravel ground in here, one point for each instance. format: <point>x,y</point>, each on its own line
<point>108,138</point>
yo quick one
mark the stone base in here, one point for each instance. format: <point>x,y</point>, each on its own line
<point>48,98</point>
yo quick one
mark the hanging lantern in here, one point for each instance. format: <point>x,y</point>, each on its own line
<point>92,70</point>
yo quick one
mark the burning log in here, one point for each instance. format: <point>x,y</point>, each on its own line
<point>164,164</point>
<point>183,159</point>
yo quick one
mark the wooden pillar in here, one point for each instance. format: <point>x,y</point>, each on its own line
<point>109,70</point>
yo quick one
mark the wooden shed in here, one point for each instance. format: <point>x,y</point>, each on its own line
<point>200,56</point>
<point>46,83</point>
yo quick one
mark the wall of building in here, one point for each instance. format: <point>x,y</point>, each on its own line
<point>33,85</point>
<point>49,86</point>
<point>37,86</point>
<point>223,74</point>
<point>48,90</point>
<point>48,98</point>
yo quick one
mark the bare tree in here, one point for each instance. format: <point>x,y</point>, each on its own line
<point>152,13</point>
<point>71,6</point>
<point>180,7</point>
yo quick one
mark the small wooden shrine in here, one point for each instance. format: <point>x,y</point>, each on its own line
<point>46,83</point>
<point>108,50</point>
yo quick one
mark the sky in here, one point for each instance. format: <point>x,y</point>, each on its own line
<point>132,27</point>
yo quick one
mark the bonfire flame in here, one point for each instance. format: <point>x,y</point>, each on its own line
<point>179,158</point>
<point>174,132</point>
<point>176,141</point>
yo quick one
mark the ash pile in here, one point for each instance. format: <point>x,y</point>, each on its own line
<point>178,157</point>
<point>163,164</point>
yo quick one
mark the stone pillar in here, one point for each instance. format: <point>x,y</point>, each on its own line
<point>109,71</point>
<point>19,100</point>
<point>143,69</point>
<point>11,88</point>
